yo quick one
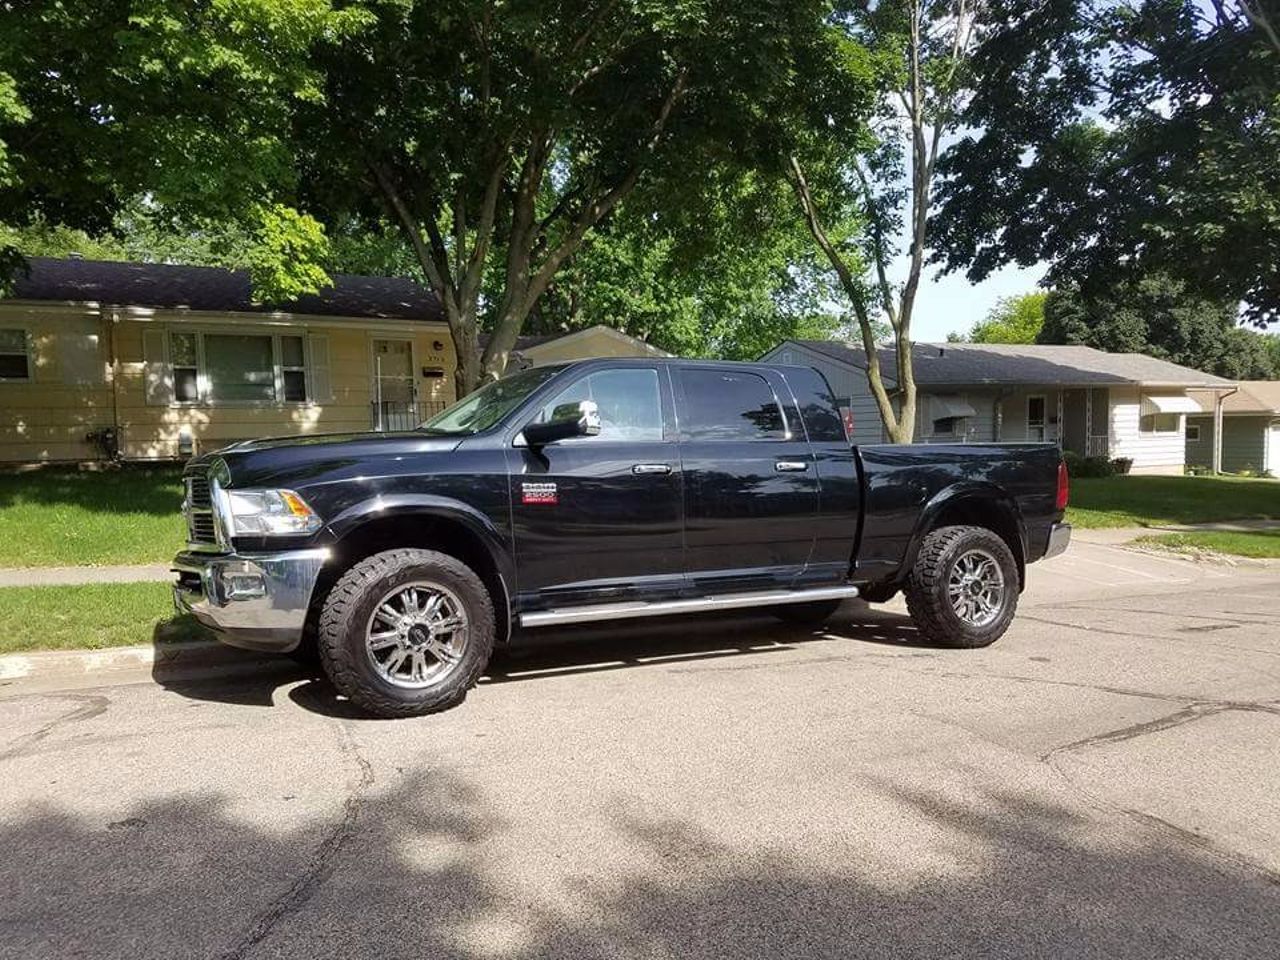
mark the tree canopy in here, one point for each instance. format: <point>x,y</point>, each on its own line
<point>1012,320</point>
<point>1158,316</point>
<point>493,136</point>
<point>1112,139</point>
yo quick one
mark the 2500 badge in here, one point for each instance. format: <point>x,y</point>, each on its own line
<point>538,493</point>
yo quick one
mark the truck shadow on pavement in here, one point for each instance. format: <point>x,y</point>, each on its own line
<point>431,865</point>
<point>589,648</point>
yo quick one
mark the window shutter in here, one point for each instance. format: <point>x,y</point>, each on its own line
<point>157,378</point>
<point>321,386</point>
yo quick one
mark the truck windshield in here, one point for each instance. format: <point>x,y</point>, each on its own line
<point>488,405</point>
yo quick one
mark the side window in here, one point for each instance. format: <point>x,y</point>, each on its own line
<point>727,405</point>
<point>15,355</point>
<point>629,402</point>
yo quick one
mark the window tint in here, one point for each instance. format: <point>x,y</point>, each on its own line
<point>817,406</point>
<point>629,403</point>
<point>726,405</point>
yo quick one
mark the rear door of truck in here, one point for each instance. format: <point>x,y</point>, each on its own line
<point>835,464</point>
<point>750,483</point>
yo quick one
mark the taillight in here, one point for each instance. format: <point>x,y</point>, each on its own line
<point>1064,487</point>
<point>846,418</point>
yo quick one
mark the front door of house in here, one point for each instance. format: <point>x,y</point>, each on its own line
<point>394,387</point>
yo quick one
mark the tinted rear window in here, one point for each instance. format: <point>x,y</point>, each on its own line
<point>817,405</point>
<point>728,405</point>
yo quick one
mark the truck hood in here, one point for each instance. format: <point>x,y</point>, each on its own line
<point>282,461</point>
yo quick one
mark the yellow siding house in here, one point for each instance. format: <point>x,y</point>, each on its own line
<point>164,361</point>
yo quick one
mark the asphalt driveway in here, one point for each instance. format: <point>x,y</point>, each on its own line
<point>1101,783</point>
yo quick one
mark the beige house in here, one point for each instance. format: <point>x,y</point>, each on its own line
<point>1250,428</point>
<point>597,341</point>
<point>177,360</point>
<point>161,362</point>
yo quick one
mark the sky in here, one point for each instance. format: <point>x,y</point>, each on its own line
<point>950,303</point>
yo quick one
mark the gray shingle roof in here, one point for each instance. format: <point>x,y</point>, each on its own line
<point>971,364</point>
<point>216,289</point>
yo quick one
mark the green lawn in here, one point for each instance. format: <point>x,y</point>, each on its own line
<point>60,517</point>
<point>1262,543</point>
<point>90,617</point>
<point>1151,501</point>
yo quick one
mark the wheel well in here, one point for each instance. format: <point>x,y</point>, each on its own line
<point>987,513</point>
<point>413,530</point>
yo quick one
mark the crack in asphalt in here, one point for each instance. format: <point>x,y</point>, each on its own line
<point>323,861</point>
<point>91,705</point>
<point>1196,710</point>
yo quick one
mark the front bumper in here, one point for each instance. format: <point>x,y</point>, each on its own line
<point>258,601</point>
<point>1059,538</point>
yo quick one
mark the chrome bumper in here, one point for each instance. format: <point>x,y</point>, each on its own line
<point>258,601</point>
<point>1059,538</point>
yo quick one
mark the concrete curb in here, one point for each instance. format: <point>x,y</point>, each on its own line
<point>77,576</point>
<point>190,660</point>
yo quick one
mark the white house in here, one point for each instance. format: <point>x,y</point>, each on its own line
<point>1090,402</point>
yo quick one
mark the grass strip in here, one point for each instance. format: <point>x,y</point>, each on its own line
<point>1261,544</point>
<point>91,617</point>
<point>1153,501</point>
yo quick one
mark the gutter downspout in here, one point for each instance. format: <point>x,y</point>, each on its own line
<point>115,375</point>
<point>1218,400</point>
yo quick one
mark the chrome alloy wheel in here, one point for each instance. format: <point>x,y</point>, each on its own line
<point>417,634</point>
<point>976,588</point>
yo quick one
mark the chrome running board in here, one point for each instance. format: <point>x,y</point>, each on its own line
<point>659,608</point>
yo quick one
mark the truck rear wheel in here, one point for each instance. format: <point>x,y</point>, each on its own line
<point>406,632</point>
<point>963,588</point>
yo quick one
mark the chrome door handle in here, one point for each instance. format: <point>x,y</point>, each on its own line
<point>640,468</point>
<point>790,466</point>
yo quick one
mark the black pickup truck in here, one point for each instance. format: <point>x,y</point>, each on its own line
<point>597,491</point>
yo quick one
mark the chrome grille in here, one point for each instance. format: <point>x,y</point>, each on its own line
<point>200,529</point>
<point>198,492</point>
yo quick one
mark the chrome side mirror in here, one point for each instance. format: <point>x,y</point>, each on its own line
<point>578,419</point>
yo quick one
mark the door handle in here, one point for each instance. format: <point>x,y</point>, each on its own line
<point>790,466</point>
<point>640,468</point>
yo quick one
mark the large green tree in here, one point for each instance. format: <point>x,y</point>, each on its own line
<point>1113,138</point>
<point>494,136</point>
<point>1158,316</point>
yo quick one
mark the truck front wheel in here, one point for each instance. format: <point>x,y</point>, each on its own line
<point>406,632</point>
<point>963,588</point>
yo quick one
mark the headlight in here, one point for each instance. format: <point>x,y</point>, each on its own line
<point>270,513</point>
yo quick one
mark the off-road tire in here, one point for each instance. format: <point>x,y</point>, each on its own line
<point>346,613</point>
<point>926,587</point>
<point>811,614</point>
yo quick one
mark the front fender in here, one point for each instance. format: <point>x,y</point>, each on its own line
<point>475,521</point>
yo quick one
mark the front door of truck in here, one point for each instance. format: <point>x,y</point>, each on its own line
<point>750,482</point>
<point>600,518</point>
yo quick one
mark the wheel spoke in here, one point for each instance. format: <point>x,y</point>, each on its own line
<point>382,641</point>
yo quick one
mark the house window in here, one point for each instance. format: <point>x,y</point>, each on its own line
<point>945,427</point>
<point>15,355</point>
<point>237,367</point>
<point>293,370</point>
<point>186,367</point>
<point>1193,433</point>
<point>1159,423</point>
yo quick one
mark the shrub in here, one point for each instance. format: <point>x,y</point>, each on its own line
<point>1078,466</point>
<point>1122,464</point>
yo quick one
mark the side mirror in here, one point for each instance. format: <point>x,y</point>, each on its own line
<point>580,419</point>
